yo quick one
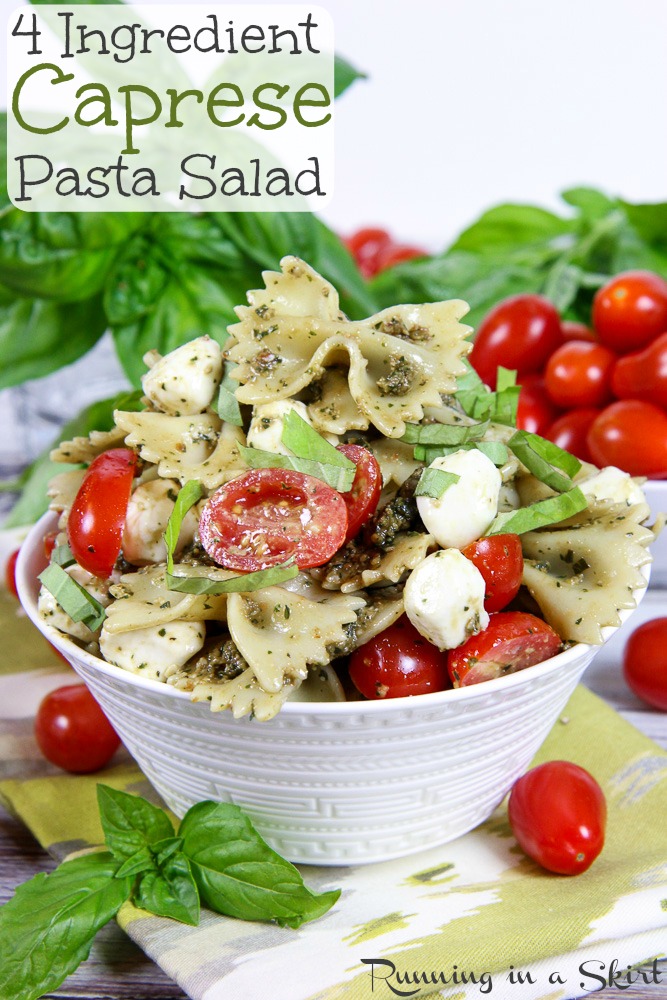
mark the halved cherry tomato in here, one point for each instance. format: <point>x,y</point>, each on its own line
<point>570,431</point>
<point>558,815</point>
<point>96,520</point>
<point>366,245</point>
<point>50,543</point>
<point>643,375</point>
<point>579,374</point>
<point>535,411</point>
<point>520,333</point>
<point>500,561</point>
<point>631,310</point>
<point>73,732</point>
<point>267,516</point>
<point>572,330</point>
<point>631,435</point>
<point>364,496</point>
<point>10,573</point>
<point>398,662</point>
<point>513,640</point>
<point>645,662</point>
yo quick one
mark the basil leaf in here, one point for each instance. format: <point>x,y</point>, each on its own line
<point>130,823</point>
<point>243,584</point>
<point>495,451</point>
<point>435,483</point>
<point>227,406</point>
<point>170,891</point>
<point>505,398</point>
<point>344,75</point>
<point>540,514</point>
<point>74,599</point>
<point>337,477</point>
<point>304,442</point>
<point>450,435</point>
<point>506,227</point>
<point>540,456</point>
<point>238,874</point>
<point>188,495</point>
<point>4,197</point>
<point>62,556</point>
<point>48,926</point>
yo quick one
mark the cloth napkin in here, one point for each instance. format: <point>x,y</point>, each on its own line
<point>467,919</point>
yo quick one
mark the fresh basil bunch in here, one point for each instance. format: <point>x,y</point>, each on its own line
<point>216,859</point>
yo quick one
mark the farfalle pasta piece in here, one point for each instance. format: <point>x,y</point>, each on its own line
<point>398,361</point>
<point>63,488</point>
<point>396,460</point>
<point>189,447</point>
<point>335,410</point>
<point>280,634</point>
<point>142,599</point>
<point>584,573</point>
<point>407,551</point>
<point>85,449</point>
<point>243,695</point>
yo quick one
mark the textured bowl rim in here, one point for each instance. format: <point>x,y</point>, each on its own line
<point>26,586</point>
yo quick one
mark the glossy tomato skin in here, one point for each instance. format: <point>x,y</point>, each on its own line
<point>362,500</point>
<point>643,375</point>
<point>520,333</point>
<point>570,431</point>
<point>558,814</point>
<point>645,662</point>
<point>97,518</point>
<point>500,561</point>
<point>631,310</point>
<point>572,330</point>
<point>513,640</point>
<point>10,573</point>
<point>631,435</point>
<point>73,732</point>
<point>397,663</point>
<point>397,253</point>
<point>267,516</point>
<point>366,246</point>
<point>579,374</point>
<point>536,411</point>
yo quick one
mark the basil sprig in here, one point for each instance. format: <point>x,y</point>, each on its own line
<point>434,483</point>
<point>540,514</point>
<point>550,464</point>
<point>74,599</point>
<point>215,858</point>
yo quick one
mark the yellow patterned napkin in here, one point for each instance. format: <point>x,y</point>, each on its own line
<point>468,919</point>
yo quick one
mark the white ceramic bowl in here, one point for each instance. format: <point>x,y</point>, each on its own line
<point>656,496</point>
<point>333,783</point>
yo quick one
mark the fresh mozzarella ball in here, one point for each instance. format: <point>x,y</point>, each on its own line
<point>148,511</point>
<point>53,614</point>
<point>467,508</point>
<point>155,652</point>
<point>266,426</point>
<point>444,598</point>
<point>184,381</point>
<point>612,484</point>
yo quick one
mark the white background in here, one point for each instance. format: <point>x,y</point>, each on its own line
<point>472,102</point>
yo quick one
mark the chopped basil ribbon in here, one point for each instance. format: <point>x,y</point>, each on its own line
<point>435,483</point>
<point>227,405</point>
<point>308,446</point>
<point>336,476</point>
<point>191,492</point>
<point>496,451</point>
<point>540,514</point>
<point>62,556</point>
<point>74,599</point>
<point>544,458</point>
<point>449,435</point>
<point>242,584</point>
<point>479,402</point>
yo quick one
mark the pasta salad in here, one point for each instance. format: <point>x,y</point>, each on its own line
<point>282,501</point>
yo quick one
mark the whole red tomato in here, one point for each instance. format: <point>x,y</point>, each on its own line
<point>570,432</point>
<point>631,435</point>
<point>579,374</point>
<point>513,640</point>
<point>520,333</point>
<point>631,310</point>
<point>397,253</point>
<point>10,573</point>
<point>500,561</point>
<point>558,814</point>
<point>73,732</point>
<point>643,375</point>
<point>572,330</point>
<point>398,662</point>
<point>645,662</point>
<point>366,245</point>
<point>535,411</point>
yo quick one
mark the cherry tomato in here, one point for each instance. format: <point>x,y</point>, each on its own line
<point>520,333</point>
<point>643,375</point>
<point>366,245</point>
<point>631,435</point>
<point>364,496</point>
<point>572,330</point>
<point>535,411</point>
<point>558,814</point>
<point>570,432</point>
<point>500,561</point>
<point>513,640</point>
<point>49,543</point>
<point>631,310</point>
<point>10,574</point>
<point>579,374</point>
<point>73,732</point>
<point>396,253</point>
<point>269,515</point>
<point>645,662</point>
<point>398,662</point>
<point>96,520</point>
